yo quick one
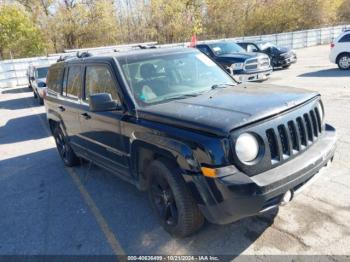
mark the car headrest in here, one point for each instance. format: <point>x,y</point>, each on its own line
<point>148,71</point>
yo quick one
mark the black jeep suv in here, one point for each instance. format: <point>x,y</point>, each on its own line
<point>243,66</point>
<point>174,123</point>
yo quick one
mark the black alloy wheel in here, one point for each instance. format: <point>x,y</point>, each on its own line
<point>172,200</point>
<point>64,149</point>
<point>163,198</point>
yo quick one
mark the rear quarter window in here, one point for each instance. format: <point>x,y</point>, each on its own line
<point>54,78</point>
<point>345,38</point>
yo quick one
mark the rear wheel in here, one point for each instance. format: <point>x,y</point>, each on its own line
<point>64,149</point>
<point>344,61</point>
<point>41,100</point>
<point>173,203</point>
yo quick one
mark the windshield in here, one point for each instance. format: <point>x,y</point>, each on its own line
<point>266,45</point>
<point>226,48</point>
<point>158,79</point>
<point>42,72</point>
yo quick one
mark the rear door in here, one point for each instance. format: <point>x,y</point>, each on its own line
<point>69,103</point>
<point>101,131</point>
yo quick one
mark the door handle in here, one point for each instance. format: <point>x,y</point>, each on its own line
<point>85,115</point>
<point>61,108</point>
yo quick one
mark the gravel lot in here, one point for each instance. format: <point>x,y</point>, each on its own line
<point>49,209</point>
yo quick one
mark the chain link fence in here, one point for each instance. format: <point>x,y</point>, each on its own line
<point>13,72</point>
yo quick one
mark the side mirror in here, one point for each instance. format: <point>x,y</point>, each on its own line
<point>103,102</point>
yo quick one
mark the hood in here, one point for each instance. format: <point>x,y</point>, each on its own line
<point>282,50</point>
<point>224,109</point>
<point>239,57</point>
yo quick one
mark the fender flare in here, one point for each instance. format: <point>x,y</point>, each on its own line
<point>178,151</point>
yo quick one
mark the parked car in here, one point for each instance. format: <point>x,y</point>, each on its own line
<point>279,56</point>
<point>340,51</point>
<point>38,82</point>
<point>30,75</point>
<point>233,58</point>
<point>174,123</point>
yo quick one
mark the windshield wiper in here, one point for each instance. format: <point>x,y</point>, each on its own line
<point>222,85</point>
<point>175,97</point>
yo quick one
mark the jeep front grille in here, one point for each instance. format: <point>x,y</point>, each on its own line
<point>282,137</point>
<point>290,138</point>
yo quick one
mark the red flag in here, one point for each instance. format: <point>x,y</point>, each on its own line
<point>193,41</point>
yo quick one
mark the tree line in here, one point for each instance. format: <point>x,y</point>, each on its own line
<point>39,27</point>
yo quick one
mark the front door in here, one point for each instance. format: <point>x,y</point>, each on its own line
<point>101,131</point>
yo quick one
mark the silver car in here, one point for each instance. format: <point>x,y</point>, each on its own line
<point>38,83</point>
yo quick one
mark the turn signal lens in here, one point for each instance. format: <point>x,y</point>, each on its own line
<point>209,172</point>
<point>219,172</point>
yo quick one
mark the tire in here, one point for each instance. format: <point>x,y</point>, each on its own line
<point>41,100</point>
<point>343,62</point>
<point>171,200</point>
<point>64,149</point>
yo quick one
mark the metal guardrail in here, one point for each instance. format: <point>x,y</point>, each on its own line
<point>13,72</point>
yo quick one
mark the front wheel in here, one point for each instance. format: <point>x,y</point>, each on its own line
<point>41,100</point>
<point>64,149</point>
<point>344,62</point>
<point>172,201</point>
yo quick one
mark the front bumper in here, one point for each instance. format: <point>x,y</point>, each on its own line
<point>280,61</point>
<point>236,196</point>
<point>251,76</point>
<point>286,61</point>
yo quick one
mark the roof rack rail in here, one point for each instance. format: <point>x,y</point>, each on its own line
<point>64,57</point>
<point>83,54</point>
<point>76,55</point>
<point>105,49</point>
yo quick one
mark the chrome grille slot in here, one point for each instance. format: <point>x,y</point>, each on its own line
<point>293,135</point>
<point>314,123</point>
<point>308,127</point>
<point>302,131</point>
<point>284,140</point>
<point>272,139</point>
<point>319,122</point>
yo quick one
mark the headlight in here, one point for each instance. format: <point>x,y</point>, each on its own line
<point>320,111</point>
<point>247,147</point>
<point>237,66</point>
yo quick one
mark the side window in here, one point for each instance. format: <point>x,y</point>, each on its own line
<point>54,79</point>
<point>74,83</point>
<point>345,38</point>
<point>204,50</point>
<point>98,79</point>
<point>251,48</point>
